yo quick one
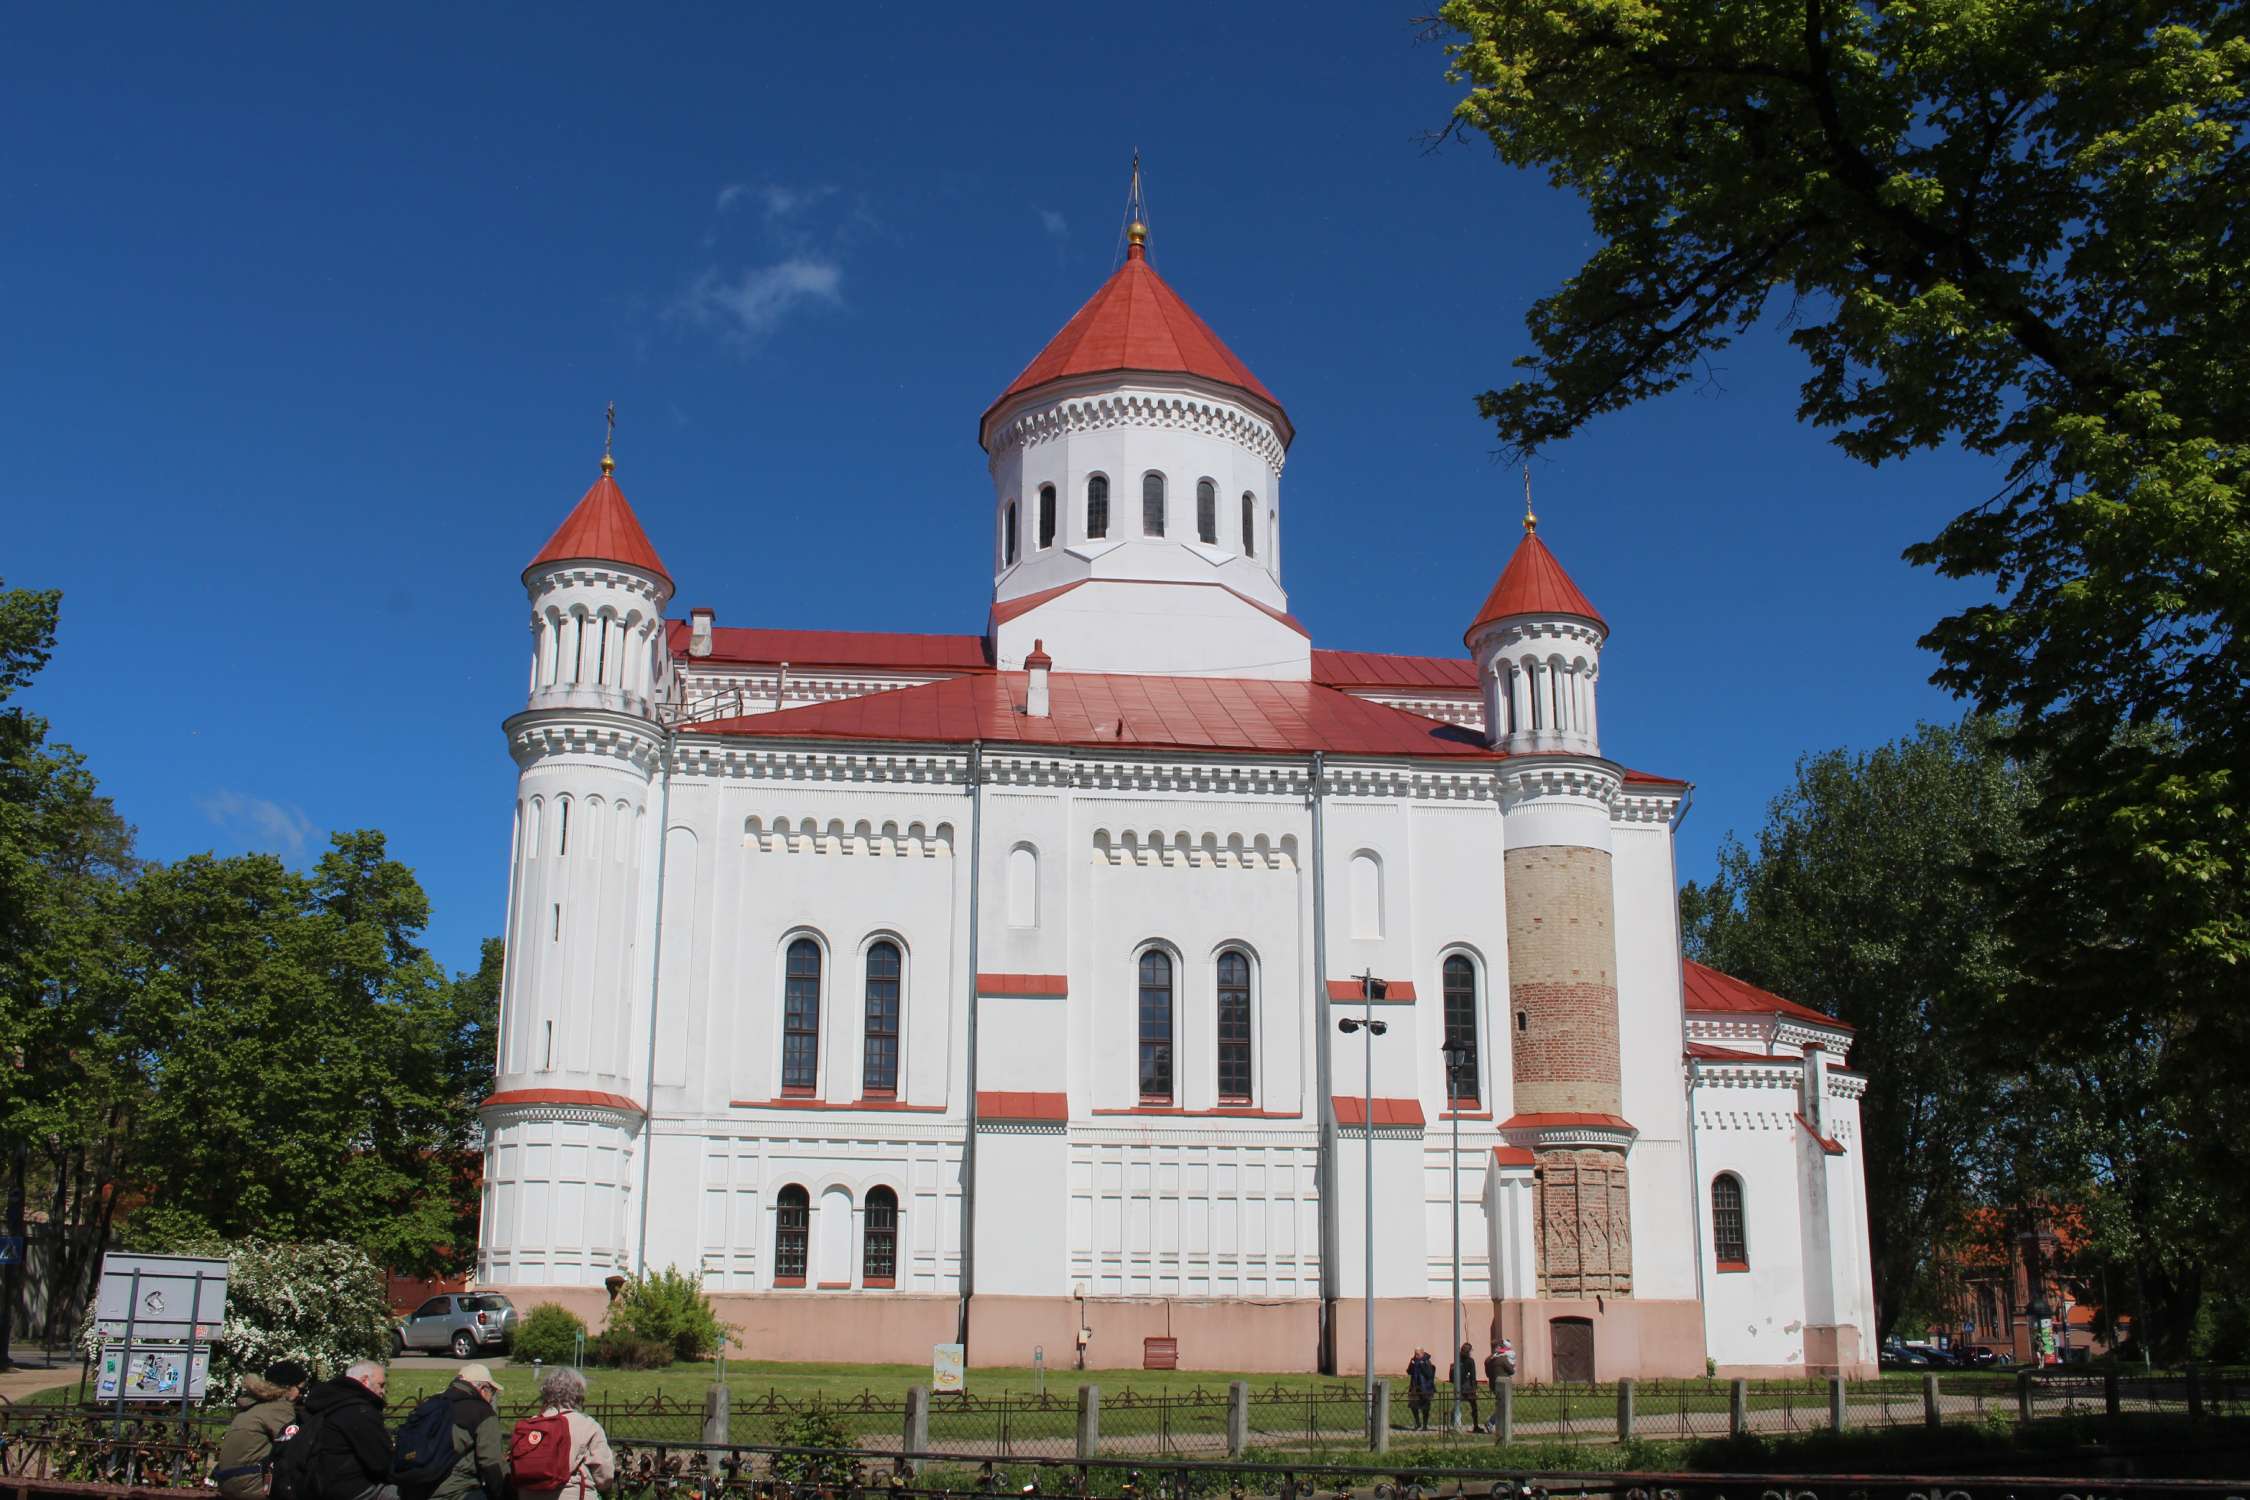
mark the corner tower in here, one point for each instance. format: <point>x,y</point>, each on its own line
<point>563,1119</point>
<point>1537,645</point>
<point>1136,471</point>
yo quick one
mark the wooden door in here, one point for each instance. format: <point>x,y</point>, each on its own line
<point>1573,1346</point>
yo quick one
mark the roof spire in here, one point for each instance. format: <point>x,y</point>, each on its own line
<point>1530,521</point>
<point>1136,214</point>
<point>609,464</point>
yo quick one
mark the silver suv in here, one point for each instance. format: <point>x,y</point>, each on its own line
<point>464,1322</point>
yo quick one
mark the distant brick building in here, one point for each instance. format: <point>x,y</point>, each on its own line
<point>2011,1289</point>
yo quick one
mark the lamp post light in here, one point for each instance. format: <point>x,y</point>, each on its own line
<point>1371,990</point>
<point>1455,1050</point>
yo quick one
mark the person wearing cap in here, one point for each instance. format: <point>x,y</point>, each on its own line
<point>264,1409</point>
<point>480,1448</point>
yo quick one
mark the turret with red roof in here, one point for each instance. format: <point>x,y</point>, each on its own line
<point>1537,642</point>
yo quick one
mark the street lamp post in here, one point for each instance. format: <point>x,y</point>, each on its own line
<point>1454,1050</point>
<point>1371,990</point>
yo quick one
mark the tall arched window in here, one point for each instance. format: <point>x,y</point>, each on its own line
<point>879,1068</point>
<point>792,1229</point>
<point>878,1261</point>
<point>1008,535</point>
<point>1152,504</point>
<point>1207,512</point>
<point>1234,1027</point>
<point>1461,1030</point>
<point>1730,1243</point>
<point>1156,1027</point>
<point>800,1019</point>
<point>1249,524</point>
<point>1097,506</point>
<point>1046,515</point>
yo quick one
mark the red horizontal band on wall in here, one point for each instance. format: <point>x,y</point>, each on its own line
<point>1044,1109</point>
<point>1513,1156</point>
<point>1465,1114</point>
<point>1352,1110</point>
<point>1734,1265</point>
<point>1023,986</point>
<point>1826,1144</point>
<point>1401,992</point>
<point>1564,1118</point>
<point>789,1281</point>
<point>591,1098</point>
<point>874,1106</point>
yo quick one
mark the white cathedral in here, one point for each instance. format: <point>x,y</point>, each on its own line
<point>914,987</point>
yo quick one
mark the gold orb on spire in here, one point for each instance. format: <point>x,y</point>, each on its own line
<point>1137,232</point>
<point>1530,521</point>
<point>609,436</point>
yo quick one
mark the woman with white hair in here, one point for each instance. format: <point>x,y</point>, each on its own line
<point>562,1450</point>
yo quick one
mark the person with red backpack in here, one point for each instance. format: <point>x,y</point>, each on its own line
<point>562,1451</point>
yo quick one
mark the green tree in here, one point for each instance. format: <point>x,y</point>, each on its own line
<point>1869,895</point>
<point>2013,225</point>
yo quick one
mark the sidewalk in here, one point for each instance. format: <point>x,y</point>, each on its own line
<point>35,1371</point>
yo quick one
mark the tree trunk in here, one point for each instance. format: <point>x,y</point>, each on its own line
<point>11,1283</point>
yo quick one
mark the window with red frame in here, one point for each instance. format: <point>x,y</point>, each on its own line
<point>792,1228</point>
<point>1729,1242</point>
<point>879,1260</point>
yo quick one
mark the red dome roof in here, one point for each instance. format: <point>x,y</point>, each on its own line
<point>1137,322</point>
<point>1533,583</point>
<point>602,528</point>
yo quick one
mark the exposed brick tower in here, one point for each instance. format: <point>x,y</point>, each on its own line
<point>1537,644</point>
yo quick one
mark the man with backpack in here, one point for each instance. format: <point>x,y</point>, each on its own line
<point>341,1450</point>
<point>265,1415</point>
<point>451,1447</point>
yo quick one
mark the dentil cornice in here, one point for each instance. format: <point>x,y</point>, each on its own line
<point>545,733</point>
<point>1532,778</point>
<point>1040,424</point>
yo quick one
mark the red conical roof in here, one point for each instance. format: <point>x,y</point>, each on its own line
<point>1137,322</point>
<point>1533,583</point>
<point>602,528</point>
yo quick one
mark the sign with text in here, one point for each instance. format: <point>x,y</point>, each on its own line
<point>154,1373</point>
<point>161,1296</point>
<point>949,1365</point>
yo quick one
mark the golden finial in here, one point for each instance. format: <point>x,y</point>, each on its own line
<point>1530,521</point>
<point>609,464</point>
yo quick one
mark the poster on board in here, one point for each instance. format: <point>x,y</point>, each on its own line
<point>948,1367</point>
<point>155,1373</point>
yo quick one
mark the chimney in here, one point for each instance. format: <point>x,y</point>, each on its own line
<point>1816,1087</point>
<point>699,631</point>
<point>1037,663</point>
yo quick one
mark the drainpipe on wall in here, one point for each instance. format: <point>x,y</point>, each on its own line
<point>1695,1203</point>
<point>969,1133</point>
<point>655,988</point>
<point>1331,1234</point>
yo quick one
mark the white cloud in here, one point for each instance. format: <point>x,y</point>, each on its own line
<point>729,194</point>
<point>752,303</point>
<point>280,826</point>
<point>1054,223</point>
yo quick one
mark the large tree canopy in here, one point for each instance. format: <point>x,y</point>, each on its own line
<point>2015,225</point>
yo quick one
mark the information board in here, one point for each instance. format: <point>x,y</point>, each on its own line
<point>948,1368</point>
<point>162,1299</point>
<point>154,1373</point>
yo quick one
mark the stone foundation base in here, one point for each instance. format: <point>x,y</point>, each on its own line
<point>1630,1336</point>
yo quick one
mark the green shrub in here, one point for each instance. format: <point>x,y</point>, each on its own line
<point>549,1333</point>
<point>629,1351</point>
<point>670,1308</point>
<point>816,1427</point>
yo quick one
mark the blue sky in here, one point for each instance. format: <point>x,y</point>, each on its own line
<point>312,313</point>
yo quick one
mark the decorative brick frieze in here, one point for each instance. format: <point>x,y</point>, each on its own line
<point>1583,1209</point>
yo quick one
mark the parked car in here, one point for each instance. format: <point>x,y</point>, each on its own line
<point>1900,1357</point>
<point>463,1322</point>
<point>1981,1356</point>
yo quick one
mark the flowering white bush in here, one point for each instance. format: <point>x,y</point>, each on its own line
<point>320,1304</point>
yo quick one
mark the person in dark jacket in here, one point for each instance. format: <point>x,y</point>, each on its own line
<point>352,1460</point>
<point>264,1409</point>
<point>1465,1384</point>
<point>1421,1385</point>
<point>480,1448</point>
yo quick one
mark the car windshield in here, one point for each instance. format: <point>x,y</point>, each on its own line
<point>487,1303</point>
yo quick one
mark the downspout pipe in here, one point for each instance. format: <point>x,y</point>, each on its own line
<point>969,1132</point>
<point>1331,1230</point>
<point>667,744</point>
<point>1695,1203</point>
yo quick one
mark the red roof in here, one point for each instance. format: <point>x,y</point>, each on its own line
<point>593,1098</point>
<point>1514,1156</point>
<point>1374,669</point>
<point>1114,711</point>
<point>602,528</point>
<point>1044,1109</point>
<point>1400,992</point>
<point>1136,322</point>
<point>1558,1119</point>
<point>1351,1109</point>
<point>1534,583</point>
<point>885,650</point>
<point>1705,1052</point>
<point>1707,991</point>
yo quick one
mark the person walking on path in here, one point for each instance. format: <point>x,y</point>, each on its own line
<point>1421,1386</point>
<point>265,1409</point>
<point>351,1455</point>
<point>480,1448</point>
<point>584,1460</point>
<point>1465,1383</point>
<point>1498,1366</point>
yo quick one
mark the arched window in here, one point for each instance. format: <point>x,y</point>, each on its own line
<point>1097,506</point>
<point>1207,512</point>
<point>1234,1027</point>
<point>1046,515</point>
<point>1152,505</point>
<point>562,818</point>
<point>1008,535</point>
<point>800,1019</point>
<point>1461,1030</point>
<point>878,1261</point>
<point>792,1228</point>
<point>1249,524</point>
<point>879,1069</point>
<point>1156,1027</point>
<point>1730,1244</point>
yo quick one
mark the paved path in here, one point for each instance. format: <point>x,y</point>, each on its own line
<point>35,1371</point>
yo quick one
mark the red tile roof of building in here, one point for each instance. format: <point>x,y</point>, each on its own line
<point>1560,1119</point>
<point>584,1098</point>
<point>1119,712</point>
<point>1514,1156</point>
<point>1534,583</point>
<point>1136,322</point>
<point>1351,1109</point>
<point>602,528</point>
<point>1375,669</point>
<point>1705,1052</point>
<point>1708,992</point>
<point>882,650</point>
